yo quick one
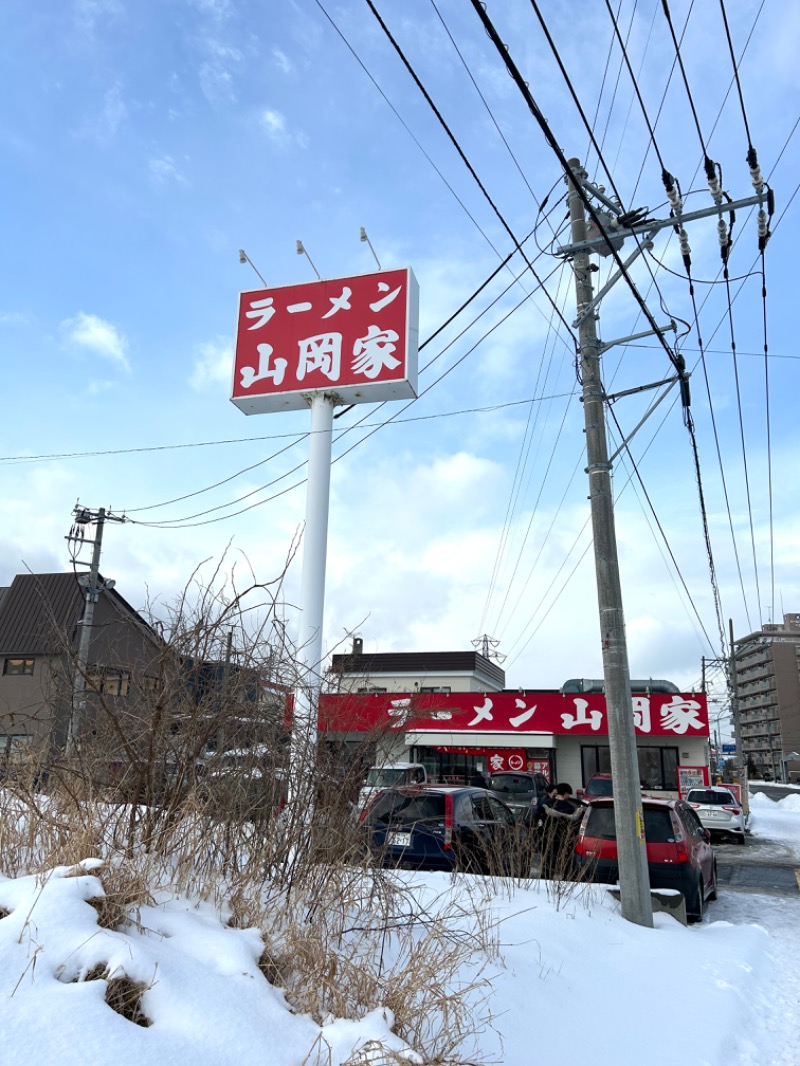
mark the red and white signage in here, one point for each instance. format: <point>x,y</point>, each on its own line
<point>526,715</point>
<point>690,777</point>
<point>499,759</point>
<point>354,337</point>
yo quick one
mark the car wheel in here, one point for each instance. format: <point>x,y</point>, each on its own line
<point>696,910</point>
<point>712,895</point>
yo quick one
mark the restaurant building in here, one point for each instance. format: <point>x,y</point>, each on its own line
<point>451,712</point>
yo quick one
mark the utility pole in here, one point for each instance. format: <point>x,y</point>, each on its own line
<point>634,882</point>
<point>93,585</point>
<point>610,226</point>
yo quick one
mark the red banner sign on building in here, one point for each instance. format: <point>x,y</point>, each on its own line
<point>355,337</point>
<point>524,714</point>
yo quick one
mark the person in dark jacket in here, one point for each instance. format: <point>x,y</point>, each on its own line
<point>562,820</point>
<point>534,816</point>
<point>477,780</point>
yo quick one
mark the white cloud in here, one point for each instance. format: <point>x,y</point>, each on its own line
<point>114,110</point>
<point>274,124</point>
<point>88,13</point>
<point>214,365</point>
<point>163,169</point>
<point>97,336</point>
<point>282,61</point>
<point>216,74</point>
<point>96,388</point>
<point>216,9</point>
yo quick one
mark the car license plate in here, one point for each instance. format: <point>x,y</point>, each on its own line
<point>400,840</point>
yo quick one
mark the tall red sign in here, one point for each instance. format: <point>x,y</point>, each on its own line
<point>353,337</point>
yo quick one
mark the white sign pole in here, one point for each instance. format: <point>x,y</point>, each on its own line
<point>312,596</point>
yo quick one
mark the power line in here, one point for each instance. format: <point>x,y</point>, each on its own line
<point>428,99</point>
<point>511,507</point>
<point>486,104</point>
<point>407,128</point>
<point>522,85</point>
<point>661,529</point>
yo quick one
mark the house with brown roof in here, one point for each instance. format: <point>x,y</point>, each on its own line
<point>40,617</point>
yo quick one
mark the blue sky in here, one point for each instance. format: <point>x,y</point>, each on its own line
<point>145,143</point>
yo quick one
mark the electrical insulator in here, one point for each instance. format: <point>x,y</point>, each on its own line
<point>683,237</point>
<point>763,229</point>
<point>674,197</point>
<point>757,179</point>
<point>724,240</point>
<point>716,189</point>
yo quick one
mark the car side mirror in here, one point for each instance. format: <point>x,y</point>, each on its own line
<point>707,835</point>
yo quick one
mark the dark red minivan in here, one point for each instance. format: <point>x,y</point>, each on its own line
<point>679,852</point>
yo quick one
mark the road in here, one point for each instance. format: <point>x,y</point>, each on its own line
<point>761,864</point>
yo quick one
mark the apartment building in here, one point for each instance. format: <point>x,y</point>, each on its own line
<point>767,667</point>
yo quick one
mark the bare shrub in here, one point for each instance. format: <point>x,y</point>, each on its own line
<point>182,785</point>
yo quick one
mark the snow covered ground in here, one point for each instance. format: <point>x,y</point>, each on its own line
<point>566,979</point>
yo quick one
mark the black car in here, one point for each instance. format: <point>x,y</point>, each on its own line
<point>520,790</point>
<point>442,828</point>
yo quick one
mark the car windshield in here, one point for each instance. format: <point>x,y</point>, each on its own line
<point>402,808</point>
<point>658,827</point>
<point>600,786</point>
<point>511,783</point>
<point>385,776</point>
<point>710,797</point>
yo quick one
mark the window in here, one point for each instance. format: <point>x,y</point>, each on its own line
<point>366,689</point>
<point>692,822</point>
<point>399,808</point>
<point>435,688</point>
<point>658,767</point>
<point>711,797</point>
<point>601,825</point>
<point>17,666</point>
<point>108,680</point>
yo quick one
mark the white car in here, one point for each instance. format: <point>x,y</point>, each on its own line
<point>719,811</point>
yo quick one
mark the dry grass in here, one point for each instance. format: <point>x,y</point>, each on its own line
<point>125,997</point>
<point>126,888</point>
<point>341,936</point>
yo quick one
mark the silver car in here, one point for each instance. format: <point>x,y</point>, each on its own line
<point>719,811</point>
<point>520,790</point>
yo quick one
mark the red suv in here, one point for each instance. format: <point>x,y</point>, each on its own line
<point>598,785</point>
<point>679,853</point>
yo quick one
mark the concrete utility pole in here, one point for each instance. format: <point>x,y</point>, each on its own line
<point>93,585</point>
<point>634,882</point>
